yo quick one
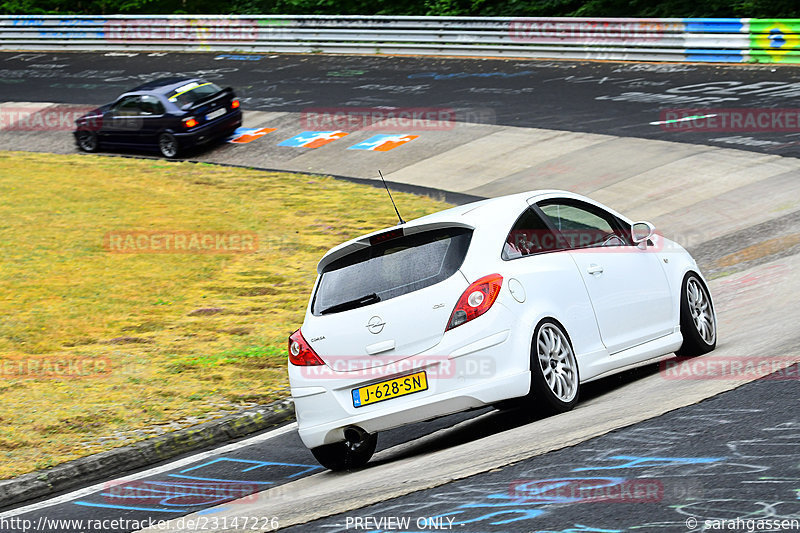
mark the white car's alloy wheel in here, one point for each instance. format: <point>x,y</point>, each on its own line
<point>702,314</point>
<point>557,362</point>
<point>698,321</point>
<point>555,379</point>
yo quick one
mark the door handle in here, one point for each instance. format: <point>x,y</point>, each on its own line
<point>594,269</point>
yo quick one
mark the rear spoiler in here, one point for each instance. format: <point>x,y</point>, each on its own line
<point>226,92</point>
<point>365,241</point>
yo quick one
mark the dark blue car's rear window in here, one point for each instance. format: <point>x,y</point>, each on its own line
<point>192,92</point>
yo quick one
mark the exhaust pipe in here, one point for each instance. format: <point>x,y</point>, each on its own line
<point>354,437</point>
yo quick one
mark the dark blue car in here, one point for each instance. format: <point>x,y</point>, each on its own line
<point>168,115</point>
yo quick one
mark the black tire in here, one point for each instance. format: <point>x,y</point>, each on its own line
<point>346,456</point>
<point>556,391</point>
<point>168,145</point>
<point>87,141</point>
<point>698,319</point>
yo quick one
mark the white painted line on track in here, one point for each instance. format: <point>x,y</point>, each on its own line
<point>80,493</point>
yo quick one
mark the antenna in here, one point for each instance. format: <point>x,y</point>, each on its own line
<point>390,198</point>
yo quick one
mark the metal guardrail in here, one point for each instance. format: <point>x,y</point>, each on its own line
<point>713,40</point>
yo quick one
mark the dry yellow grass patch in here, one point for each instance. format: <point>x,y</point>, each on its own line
<point>184,335</point>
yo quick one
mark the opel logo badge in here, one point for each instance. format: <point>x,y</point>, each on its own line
<point>375,325</point>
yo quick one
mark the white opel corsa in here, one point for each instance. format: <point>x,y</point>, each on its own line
<point>524,296</point>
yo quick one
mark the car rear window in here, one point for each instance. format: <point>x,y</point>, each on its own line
<point>192,92</point>
<point>390,269</point>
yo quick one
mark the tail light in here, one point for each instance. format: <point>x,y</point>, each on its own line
<point>476,300</point>
<point>235,104</point>
<point>190,122</point>
<point>300,353</point>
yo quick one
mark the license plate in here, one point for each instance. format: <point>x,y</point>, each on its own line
<point>218,113</point>
<point>386,390</point>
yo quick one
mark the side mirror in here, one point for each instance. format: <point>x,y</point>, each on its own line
<point>641,232</point>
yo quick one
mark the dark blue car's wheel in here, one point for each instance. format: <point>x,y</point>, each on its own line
<point>168,145</point>
<point>87,141</point>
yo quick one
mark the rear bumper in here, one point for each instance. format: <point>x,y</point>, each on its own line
<point>210,132</point>
<point>388,415</point>
<point>479,369</point>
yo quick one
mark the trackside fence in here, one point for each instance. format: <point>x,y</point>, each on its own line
<point>669,39</point>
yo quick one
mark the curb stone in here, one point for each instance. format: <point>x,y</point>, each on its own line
<point>144,453</point>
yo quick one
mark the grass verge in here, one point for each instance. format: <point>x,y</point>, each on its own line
<point>173,338</point>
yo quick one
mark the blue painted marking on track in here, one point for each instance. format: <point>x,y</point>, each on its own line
<point>109,506</point>
<point>256,464</point>
<point>646,462</point>
<point>183,474</point>
<point>525,514</point>
<point>235,57</point>
<point>197,478</point>
<point>212,510</point>
<point>376,142</point>
<point>310,138</point>
<point>166,492</point>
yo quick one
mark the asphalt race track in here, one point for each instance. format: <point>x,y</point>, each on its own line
<point>659,448</point>
<point>634,479</point>
<point>610,98</point>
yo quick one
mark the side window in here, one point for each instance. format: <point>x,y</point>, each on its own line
<point>150,105</point>
<point>583,225</point>
<point>530,235</point>
<point>128,107</point>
